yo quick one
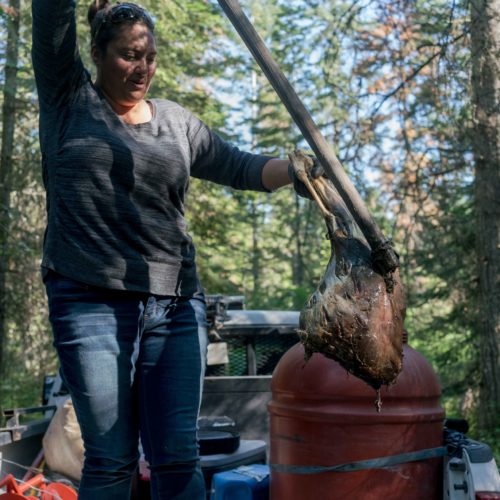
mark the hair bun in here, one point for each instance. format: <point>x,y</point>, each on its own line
<point>95,7</point>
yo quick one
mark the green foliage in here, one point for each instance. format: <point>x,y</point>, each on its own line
<point>27,354</point>
<point>188,35</point>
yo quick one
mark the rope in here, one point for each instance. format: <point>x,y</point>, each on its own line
<point>24,467</point>
<point>374,463</point>
<point>38,490</point>
<point>31,469</point>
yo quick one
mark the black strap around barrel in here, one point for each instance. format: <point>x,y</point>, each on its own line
<point>374,463</point>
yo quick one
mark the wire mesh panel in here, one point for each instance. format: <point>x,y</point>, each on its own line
<point>237,354</point>
<point>255,339</point>
<point>270,348</point>
<point>264,351</point>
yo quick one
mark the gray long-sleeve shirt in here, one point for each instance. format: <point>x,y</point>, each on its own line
<point>115,191</point>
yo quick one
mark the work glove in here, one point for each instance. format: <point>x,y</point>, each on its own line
<point>299,187</point>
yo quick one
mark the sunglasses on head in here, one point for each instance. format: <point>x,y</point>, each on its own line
<point>124,12</point>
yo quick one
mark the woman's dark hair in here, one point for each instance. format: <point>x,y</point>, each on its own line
<point>105,18</point>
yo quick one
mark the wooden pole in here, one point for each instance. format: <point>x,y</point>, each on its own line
<point>384,256</point>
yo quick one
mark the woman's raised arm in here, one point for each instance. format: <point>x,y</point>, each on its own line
<point>56,60</point>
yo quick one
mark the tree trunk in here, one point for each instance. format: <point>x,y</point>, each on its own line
<point>485,42</point>
<point>6,166</point>
<point>256,252</point>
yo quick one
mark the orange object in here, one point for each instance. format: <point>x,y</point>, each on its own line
<point>49,491</point>
<point>15,490</point>
<point>321,415</point>
<point>58,490</point>
<point>16,496</point>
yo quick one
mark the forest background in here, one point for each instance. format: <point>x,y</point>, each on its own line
<point>407,93</point>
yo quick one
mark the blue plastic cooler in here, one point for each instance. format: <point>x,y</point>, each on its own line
<point>248,482</point>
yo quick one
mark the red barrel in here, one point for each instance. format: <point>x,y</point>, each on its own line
<point>320,415</point>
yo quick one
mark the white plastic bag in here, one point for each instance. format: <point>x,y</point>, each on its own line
<point>63,444</point>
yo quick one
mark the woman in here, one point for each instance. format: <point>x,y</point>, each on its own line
<point>125,303</point>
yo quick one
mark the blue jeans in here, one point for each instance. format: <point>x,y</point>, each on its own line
<point>134,365</point>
